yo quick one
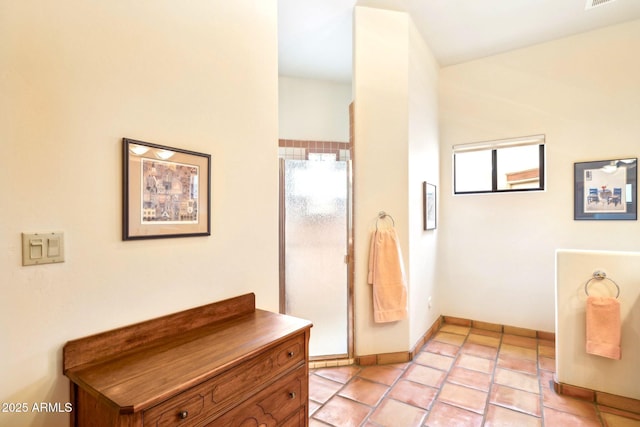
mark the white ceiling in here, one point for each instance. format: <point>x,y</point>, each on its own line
<point>315,35</point>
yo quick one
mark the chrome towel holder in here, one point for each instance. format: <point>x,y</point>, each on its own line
<point>383,215</point>
<point>600,275</point>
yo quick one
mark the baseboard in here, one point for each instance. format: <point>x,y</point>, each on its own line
<point>599,397</point>
<point>330,363</point>
<point>407,356</point>
<point>401,356</point>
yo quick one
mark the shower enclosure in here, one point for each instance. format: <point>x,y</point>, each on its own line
<point>315,267</point>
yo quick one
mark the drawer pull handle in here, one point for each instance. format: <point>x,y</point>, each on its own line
<point>291,354</point>
<point>292,395</point>
<point>183,415</point>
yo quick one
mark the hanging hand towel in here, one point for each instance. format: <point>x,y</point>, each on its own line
<point>603,327</point>
<point>386,274</point>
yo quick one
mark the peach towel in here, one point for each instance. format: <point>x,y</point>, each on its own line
<point>386,274</point>
<point>603,327</point>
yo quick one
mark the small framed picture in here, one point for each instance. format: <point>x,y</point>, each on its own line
<point>166,191</point>
<point>606,190</point>
<point>429,201</point>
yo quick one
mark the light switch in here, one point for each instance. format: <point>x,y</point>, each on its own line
<point>53,248</point>
<point>42,248</point>
<point>35,248</point>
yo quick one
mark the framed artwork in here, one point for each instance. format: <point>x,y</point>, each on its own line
<point>606,190</point>
<point>429,201</point>
<point>166,191</point>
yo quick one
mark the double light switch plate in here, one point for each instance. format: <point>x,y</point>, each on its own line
<point>42,248</point>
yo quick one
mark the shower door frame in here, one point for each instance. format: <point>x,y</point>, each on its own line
<point>348,258</point>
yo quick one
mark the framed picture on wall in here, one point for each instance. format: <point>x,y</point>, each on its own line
<point>606,190</point>
<point>166,191</point>
<point>429,202</point>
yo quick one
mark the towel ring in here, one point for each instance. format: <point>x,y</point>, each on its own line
<point>600,275</point>
<point>383,215</point>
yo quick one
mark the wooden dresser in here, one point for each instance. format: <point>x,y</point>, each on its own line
<point>222,364</point>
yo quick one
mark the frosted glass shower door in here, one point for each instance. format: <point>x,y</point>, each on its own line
<point>315,234</point>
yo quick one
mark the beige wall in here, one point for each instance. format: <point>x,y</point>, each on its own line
<point>313,110</point>
<point>380,159</point>
<point>423,165</point>
<point>78,76</point>
<point>497,252</point>
<point>395,141</point>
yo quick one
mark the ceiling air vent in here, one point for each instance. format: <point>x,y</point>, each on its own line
<point>595,3</point>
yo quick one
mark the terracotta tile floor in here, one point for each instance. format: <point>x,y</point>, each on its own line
<point>461,377</point>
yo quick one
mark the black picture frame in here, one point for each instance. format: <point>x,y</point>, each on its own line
<point>166,191</point>
<point>606,189</point>
<point>429,200</point>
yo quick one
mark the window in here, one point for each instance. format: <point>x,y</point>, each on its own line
<point>499,166</point>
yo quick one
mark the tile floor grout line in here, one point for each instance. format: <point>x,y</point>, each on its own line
<point>439,389</point>
<point>492,383</point>
<point>406,368</point>
<point>334,394</point>
<point>540,382</point>
<point>448,372</point>
<point>344,386</point>
<point>444,379</point>
<point>541,375</point>
<point>374,407</point>
<point>386,393</point>
<point>541,385</point>
<point>457,356</point>
<point>599,414</point>
<point>492,378</point>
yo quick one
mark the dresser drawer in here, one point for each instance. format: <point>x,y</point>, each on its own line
<point>280,405</point>
<point>185,410</point>
<point>259,370</point>
<point>202,401</point>
<point>297,420</point>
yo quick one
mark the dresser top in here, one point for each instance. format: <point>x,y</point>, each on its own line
<point>155,369</point>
